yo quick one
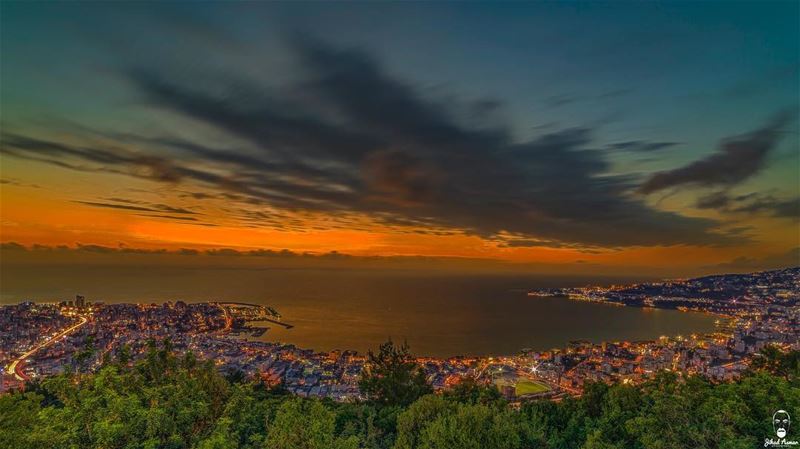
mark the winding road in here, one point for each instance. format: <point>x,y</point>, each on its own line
<point>16,366</point>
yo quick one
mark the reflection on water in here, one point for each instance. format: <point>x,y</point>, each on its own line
<point>439,315</point>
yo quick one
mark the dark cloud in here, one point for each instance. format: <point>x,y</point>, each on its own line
<point>641,146</point>
<point>752,203</point>
<point>230,252</point>
<point>147,209</point>
<point>116,206</point>
<point>556,101</point>
<point>736,160</point>
<point>198,195</point>
<point>349,139</point>
<point>139,206</point>
<point>101,249</point>
<point>14,246</point>
<point>528,243</point>
<point>113,160</point>
<point>790,258</point>
<point>170,217</point>
<point>716,200</point>
<point>18,183</point>
<point>786,208</point>
<point>172,209</point>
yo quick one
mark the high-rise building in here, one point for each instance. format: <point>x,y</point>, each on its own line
<point>80,301</point>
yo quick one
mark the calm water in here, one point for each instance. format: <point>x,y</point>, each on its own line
<point>439,315</point>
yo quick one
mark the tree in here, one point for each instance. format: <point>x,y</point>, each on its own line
<point>221,438</point>
<point>392,377</point>
<point>468,390</point>
<point>18,416</point>
<point>124,355</point>
<point>598,440</point>
<point>418,415</point>
<point>83,357</point>
<point>472,427</point>
<point>306,424</point>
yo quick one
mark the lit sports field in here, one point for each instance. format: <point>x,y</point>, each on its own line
<point>524,387</point>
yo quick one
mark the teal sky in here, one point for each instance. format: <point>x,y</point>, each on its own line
<point>653,66</point>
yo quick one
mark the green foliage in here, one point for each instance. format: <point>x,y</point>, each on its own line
<point>374,425</point>
<point>166,401</point>
<point>418,416</point>
<point>472,427</point>
<point>18,412</point>
<point>306,424</point>
<point>392,377</point>
<point>471,392</point>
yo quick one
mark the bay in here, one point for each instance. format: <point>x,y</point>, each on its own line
<point>438,314</point>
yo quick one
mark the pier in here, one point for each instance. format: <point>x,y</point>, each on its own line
<point>254,312</point>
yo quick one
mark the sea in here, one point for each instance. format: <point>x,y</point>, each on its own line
<point>438,314</point>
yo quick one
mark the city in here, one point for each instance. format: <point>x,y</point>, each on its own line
<point>754,310</point>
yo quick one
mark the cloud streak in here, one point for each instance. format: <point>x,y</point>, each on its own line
<point>736,160</point>
<point>752,203</point>
<point>135,205</point>
<point>639,146</point>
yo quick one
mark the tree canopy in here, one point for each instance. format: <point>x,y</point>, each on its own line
<point>169,401</point>
<point>392,377</point>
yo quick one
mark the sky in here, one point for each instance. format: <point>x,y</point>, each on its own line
<point>556,137</point>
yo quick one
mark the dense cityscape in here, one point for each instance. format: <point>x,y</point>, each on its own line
<point>754,310</point>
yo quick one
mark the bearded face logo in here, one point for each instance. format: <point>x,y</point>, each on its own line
<point>780,423</point>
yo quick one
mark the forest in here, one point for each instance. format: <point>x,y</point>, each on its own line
<point>175,401</point>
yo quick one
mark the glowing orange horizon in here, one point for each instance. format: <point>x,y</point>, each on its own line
<point>49,215</point>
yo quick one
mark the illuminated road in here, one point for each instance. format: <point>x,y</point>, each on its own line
<point>16,366</point>
<point>228,318</point>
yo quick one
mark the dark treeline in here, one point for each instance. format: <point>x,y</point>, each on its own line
<point>176,401</point>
